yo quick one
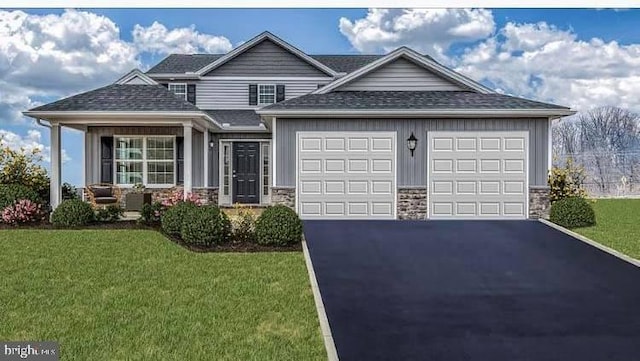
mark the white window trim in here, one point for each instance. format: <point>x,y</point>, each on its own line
<point>228,199</point>
<point>185,88</point>
<point>275,93</point>
<point>144,161</point>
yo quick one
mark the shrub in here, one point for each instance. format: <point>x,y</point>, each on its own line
<point>243,225</point>
<point>10,193</point>
<point>72,213</point>
<point>278,225</point>
<point>110,213</point>
<point>203,226</point>
<point>572,212</point>
<point>173,216</point>
<point>24,166</point>
<point>69,191</point>
<point>151,213</point>
<point>566,182</point>
<point>22,211</point>
<point>227,229</point>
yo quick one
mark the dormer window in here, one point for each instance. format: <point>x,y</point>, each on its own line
<point>179,89</point>
<point>266,94</point>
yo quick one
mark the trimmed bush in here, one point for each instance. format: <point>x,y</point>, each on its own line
<point>278,226</point>
<point>10,193</point>
<point>572,212</point>
<point>173,216</point>
<point>109,214</point>
<point>243,225</point>
<point>72,213</point>
<point>227,229</point>
<point>203,226</point>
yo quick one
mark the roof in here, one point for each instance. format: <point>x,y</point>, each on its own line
<point>183,63</point>
<point>235,117</point>
<point>122,97</point>
<point>412,100</point>
<point>190,63</point>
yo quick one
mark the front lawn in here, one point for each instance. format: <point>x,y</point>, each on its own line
<point>132,294</point>
<point>618,225</point>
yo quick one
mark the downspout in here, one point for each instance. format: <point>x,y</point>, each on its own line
<point>39,121</point>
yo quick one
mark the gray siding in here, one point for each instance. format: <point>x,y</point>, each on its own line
<point>92,148</point>
<point>412,171</point>
<point>217,93</point>
<point>401,75</point>
<point>214,170</point>
<point>266,59</point>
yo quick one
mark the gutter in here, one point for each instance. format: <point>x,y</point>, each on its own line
<point>40,123</point>
<point>417,113</point>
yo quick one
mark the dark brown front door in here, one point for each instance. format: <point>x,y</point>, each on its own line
<point>246,168</point>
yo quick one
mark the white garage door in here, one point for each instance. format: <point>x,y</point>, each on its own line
<point>478,174</point>
<point>346,175</point>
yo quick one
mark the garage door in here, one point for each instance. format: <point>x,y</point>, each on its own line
<point>346,175</point>
<point>478,174</point>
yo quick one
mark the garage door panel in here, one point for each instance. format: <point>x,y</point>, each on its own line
<point>353,175</point>
<point>475,174</point>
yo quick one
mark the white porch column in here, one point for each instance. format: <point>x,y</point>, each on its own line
<point>188,158</point>
<point>55,187</point>
<point>205,179</point>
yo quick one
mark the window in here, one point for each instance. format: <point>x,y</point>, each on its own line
<point>265,169</point>
<point>266,94</point>
<point>226,169</point>
<point>179,89</point>
<point>146,160</point>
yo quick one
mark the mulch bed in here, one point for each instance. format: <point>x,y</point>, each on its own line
<point>240,247</point>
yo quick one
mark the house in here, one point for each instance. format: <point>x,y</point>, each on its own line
<point>333,136</point>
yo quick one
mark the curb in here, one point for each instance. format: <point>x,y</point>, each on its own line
<point>329,345</point>
<point>595,244</point>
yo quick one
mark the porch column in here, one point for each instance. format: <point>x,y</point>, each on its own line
<point>55,186</point>
<point>205,179</point>
<point>188,158</point>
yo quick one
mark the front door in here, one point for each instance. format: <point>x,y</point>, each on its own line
<point>246,167</point>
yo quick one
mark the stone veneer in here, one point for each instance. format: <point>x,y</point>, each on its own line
<point>539,202</point>
<point>208,195</point>
<point>284,195</point>
<point>412,203</point>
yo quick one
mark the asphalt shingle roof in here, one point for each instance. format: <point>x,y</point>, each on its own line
<point>183,63</point>
<point>122,97</point>
<point>390,100</point>
<point>235,117</point>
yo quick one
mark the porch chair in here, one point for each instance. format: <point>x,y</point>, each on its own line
<point>102,195</point>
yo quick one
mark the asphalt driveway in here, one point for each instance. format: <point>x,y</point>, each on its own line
<point>472,290</point>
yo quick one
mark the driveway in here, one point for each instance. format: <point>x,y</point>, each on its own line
<point>472,290</point>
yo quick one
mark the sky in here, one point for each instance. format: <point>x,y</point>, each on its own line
<point>581,58</point>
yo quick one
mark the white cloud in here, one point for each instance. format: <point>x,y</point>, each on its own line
<point>33,140</point>
<point>431,31</point>
<point>158,39</point>
<point>546,63</point>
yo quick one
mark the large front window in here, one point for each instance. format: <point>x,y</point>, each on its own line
<point>266,94</point>
<point>146,160</point>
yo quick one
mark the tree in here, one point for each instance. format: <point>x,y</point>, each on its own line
<point>24,167</point>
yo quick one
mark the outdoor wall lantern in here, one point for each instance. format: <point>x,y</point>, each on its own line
<point>412,141</point>
<point>212,144</point>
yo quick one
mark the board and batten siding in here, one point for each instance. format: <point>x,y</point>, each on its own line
<point>266,59</point>
<point>229,93</point>
<point>401,75</point>
<point>412,171</point>
<point>92,148</point>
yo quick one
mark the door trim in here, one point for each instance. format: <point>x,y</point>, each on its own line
<point>394,134</point>
<point>221,169</point>
<point>429,133</point>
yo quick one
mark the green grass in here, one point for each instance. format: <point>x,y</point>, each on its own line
<point>617,225</point>
<point>134,295</point>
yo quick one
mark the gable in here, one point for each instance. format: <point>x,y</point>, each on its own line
<point>401,75</point>
<point>266,59</point>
